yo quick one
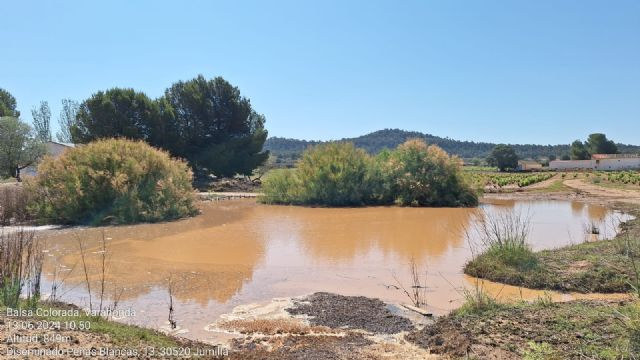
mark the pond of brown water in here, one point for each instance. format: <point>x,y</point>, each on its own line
<point>239,252</point>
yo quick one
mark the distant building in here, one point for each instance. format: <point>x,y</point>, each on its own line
<point>54,149</point>
<point>599,162</point>
<point>528,165</point>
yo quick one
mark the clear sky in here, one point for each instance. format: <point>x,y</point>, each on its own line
<point>543,71</point>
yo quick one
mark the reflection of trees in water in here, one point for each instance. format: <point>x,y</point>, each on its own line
<point>343,234</point>
<point>577,208</point>
<point>210,256</point>
<point>597,213</point>
<point>506,203</point>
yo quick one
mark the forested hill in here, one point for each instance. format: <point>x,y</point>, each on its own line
<point>390,138</point>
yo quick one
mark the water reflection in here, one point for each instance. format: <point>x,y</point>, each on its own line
<point>237,252</point>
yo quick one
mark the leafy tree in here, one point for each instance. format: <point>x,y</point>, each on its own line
<point>503,157</point>
<point>213,127</point>
<point>8,104</point>
<point>599,144</point>
<point>19,146</point>
<point>565,157</point>
<point>579,151</point>
<point>67,120</point>
<point>42,121</point>
<point>116,113</point>
<point>206,122</point>
<point>552,157</point>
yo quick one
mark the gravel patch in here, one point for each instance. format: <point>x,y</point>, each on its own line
<point>350,312</point>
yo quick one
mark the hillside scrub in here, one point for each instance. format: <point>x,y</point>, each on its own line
<point>339,174</point>
<point>112,181</point>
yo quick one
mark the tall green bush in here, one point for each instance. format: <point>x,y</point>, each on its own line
<point>339,174</point>
<point>281,186</point>
<point>425,175</point>
<point>335,174</point>
<point>112,181</point>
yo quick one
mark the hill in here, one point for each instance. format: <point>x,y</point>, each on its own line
<point>286,148</point>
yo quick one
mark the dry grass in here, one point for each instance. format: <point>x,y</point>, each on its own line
<point>13,204</point>
<point>21,261</point>
<point>417,292</point>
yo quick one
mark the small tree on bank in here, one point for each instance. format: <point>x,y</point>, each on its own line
<point>19,147</point>
<point>503,157</point>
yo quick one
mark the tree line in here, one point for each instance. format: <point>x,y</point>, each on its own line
<point>390,138</point>
<point>207,122</point>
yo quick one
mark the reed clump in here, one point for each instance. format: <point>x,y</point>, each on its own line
<point>505,254</point>
<point>14,200</point>
<point>21,260</point>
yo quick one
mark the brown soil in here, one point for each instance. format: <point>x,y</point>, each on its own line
<point>595,191</point>
<point>572,330</point>
<point>308,347</point>
<point>575,190</point>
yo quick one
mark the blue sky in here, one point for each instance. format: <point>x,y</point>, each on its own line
<point>544,71</point>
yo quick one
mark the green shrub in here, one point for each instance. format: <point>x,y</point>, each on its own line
<point>425,175</point>
<point>339,174</point>
<point>335,174</point>
<point>281,186</point>
<point>112,181</point>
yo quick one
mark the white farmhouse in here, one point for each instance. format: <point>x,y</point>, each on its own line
<point>599,162</point>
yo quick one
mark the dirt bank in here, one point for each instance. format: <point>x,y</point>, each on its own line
<point>572,190</point>
<point>540,330</point>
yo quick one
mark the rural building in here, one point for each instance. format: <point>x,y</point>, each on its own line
<point>528,165</point>
<point>54,149</point>
<point>599,162</point>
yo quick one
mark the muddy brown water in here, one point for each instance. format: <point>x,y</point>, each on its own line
<point>238,252</point>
